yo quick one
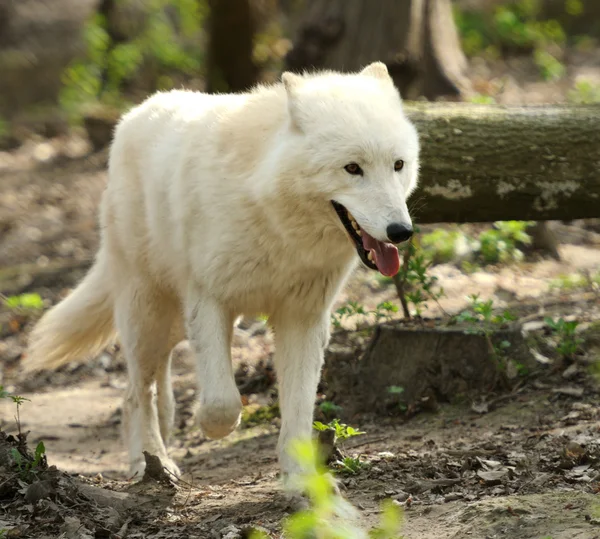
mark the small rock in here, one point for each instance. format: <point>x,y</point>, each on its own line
<point>492,477</point>
<point>452,496</point>
<point>571,371</point>
<point>39,490</point>
<point>569,391</point>
<point>231,532</point>
<point>401,496</point>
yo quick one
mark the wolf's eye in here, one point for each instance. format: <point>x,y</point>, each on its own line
<point>398,165</point>
<point>354,169</point>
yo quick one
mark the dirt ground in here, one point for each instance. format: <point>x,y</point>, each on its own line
<point>525,466</point>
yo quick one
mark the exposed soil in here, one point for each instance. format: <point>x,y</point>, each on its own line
<point>524,463</point>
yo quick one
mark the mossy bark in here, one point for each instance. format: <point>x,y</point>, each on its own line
<point>416,39</point>
<point>483,163</point>
<point>231,29</point>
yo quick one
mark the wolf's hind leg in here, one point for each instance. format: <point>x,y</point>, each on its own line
<point>209,329</point>
<point>143,317</point>
<point>164,388</point>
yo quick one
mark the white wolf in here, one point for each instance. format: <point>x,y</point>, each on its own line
<point>221,205</point>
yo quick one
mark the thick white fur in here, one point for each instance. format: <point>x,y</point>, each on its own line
<point>219,205</point>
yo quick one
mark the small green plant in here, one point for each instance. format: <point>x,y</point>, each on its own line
<point>342,431</point>
<point>351,465</point>
<point>24,303</point>
<point>259,415</point>
<point>500,244</point>
<point>329,409</point>
<point>352,308</point>
<point>482,319</point>
<point>413,282</point>
<point>483,311</point>
<point>515,26</point>
<point>329,515</point>
<point>99,76</point>
<point>18,400</point>
<point>482,99</point>
<point>550,68</point>
<point>440,245</point>
<point>395,401</point>
<point>384,310</point>
<point>584,92</point>
<point>568,341</point>
<point>577,280</point>
<point>28,469</point>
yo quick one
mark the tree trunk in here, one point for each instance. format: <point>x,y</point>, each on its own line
<point>230,66</point>
<point>416,39</point>
<point>482,163</point>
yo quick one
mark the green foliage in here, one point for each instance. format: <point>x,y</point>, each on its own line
<point>480,316</point>
<point>329,409</point>
<point>500,244</point>
<point>350,465</point>
<point>483,311</point>
<point>395,390</point>
<point>550,67</point>
<point>260,415</point>
<point>99,76</point>
<point>28,469</point>
<point>352,308</point>
<point>440,245</point>
<point>395,400</point>
<point>329,515</point>
<point>25,303</point>
<point>568,341</point>
<point>481,99</point>
<point>516,26</point>
<point>585,92</point>
<point>384,310</point>
<point>17,399</point>
<point>342,431</point>
<point>577,280</point>
<point>413,282</point>
<point>574,7</point>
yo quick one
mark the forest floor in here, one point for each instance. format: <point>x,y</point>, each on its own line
<point>526,466</point>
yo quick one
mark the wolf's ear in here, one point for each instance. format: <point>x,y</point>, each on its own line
<point>292,82</point>
<point>378,70</point>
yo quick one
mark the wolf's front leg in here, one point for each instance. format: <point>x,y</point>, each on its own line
<point>299,349</point>
<point>209,329</point>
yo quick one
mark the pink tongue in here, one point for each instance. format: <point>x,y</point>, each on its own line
<point>385,254</point>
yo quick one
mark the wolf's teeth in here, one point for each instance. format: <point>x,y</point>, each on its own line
<point>370,256</point>
<point>359,231</point>
<point>355,225</point>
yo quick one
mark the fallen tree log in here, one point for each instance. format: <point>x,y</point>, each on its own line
<point>482,163</point>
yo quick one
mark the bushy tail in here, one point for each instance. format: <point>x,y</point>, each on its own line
<point>77,328</point>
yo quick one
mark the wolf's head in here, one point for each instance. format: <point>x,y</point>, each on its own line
<point>361,153</point>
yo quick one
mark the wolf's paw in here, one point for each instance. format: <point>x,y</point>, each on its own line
<point>172,470</point>
<point>219,417</point>
<point>137,468</point>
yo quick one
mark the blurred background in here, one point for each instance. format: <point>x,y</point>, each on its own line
<point>459,423</point>
<point>63,62</point>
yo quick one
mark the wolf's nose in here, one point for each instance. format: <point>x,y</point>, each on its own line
<point>398,232</point>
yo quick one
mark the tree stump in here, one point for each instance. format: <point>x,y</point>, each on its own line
<point>406,367</point>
